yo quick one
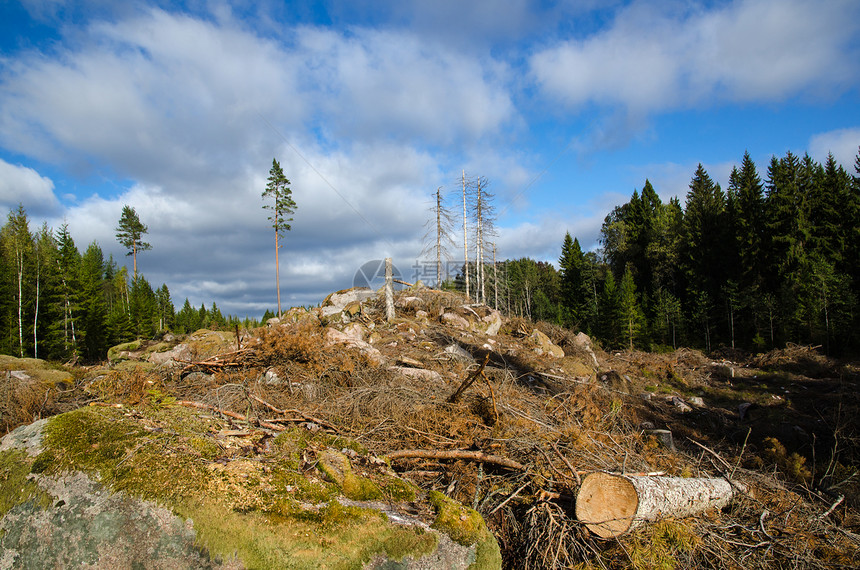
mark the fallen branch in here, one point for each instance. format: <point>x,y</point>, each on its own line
<point>304,416</point>
<point>229,414</point>
<point>477,456</point>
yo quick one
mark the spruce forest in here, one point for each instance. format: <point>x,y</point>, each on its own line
<point>773,259</point>
<point>59,304</point>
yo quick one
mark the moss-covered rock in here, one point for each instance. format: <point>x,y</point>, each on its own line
<point>167,486</point>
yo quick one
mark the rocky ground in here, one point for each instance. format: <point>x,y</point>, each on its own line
<point>504,416</point>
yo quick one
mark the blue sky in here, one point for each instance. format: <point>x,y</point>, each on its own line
<point>177,109</point>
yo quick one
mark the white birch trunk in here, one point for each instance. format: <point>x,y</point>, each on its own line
<point>610,505</point>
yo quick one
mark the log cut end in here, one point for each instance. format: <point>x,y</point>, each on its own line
<point>606,504</point>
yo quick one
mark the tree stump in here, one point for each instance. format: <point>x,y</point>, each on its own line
<point>610,505</point>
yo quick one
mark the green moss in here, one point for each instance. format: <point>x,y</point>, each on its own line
<point>294,485</point>
<point>258,516</point>
<point>466,526</point>
<point>15,487</point>
<point>336,537</point>
<point>38,369</point>
<point>397,490</point>
<point>360,488</point>
<point>658,545</point>
<point>114,351</point>
<point>125,456</point>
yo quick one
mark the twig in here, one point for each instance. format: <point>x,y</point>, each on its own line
<point>569,466</point>
<point>306,417</point>
<point>712,452</point>
<point>832,507</point>
<point>476,456</point>
<point>229,414</point>
<point>741,454</point>
<point>511,496</point>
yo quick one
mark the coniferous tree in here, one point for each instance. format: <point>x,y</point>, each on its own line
<point>629,312</point>
<point>93,307</point>
<point>283,206</point>
<point>610,312</point>
<point>572,283</point>
<point>166,311</point>
<point>130,232</point>
<point>68,270</point>
<point>704,247</point>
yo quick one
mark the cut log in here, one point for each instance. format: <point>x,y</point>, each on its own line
<point>610,505</point>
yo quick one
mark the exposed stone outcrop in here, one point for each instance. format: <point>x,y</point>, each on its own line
<point>107,487</point>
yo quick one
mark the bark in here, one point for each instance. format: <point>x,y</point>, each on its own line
<point>457,454</point>
<point>610,505</point>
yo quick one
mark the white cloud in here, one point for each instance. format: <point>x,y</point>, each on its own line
<point>384,84</point>
<point>23,185</point>
<point>655,56</point>
<point>844,144</point>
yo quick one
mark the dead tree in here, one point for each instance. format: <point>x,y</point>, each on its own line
<point>438,236</point>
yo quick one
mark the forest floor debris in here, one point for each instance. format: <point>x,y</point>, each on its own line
<point>516,442</point>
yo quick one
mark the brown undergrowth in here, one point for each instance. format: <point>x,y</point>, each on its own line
<point>795,447</point>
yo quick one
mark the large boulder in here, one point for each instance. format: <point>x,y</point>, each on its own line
<point>543,345</point>
<point>345,300</point>
<point>167,487</point>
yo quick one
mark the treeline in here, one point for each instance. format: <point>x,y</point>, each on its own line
<point>59,304</point>
<point>761,264</point>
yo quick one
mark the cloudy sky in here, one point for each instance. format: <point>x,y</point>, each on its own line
<point>178,109</point>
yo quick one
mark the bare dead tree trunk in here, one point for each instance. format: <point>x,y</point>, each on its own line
<point>389,290</point>
<point>465,237</point>
<point>479,259</point>
<point>495,279</point>
<point>438,238</point>
<point>610,505</point>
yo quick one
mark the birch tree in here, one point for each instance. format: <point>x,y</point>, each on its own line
<point>18,247</point>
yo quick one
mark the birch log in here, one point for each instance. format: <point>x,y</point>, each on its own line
<point>610,505</point>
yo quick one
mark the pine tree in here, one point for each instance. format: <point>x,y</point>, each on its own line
<point>283,206</point>
<point>130,232</point>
